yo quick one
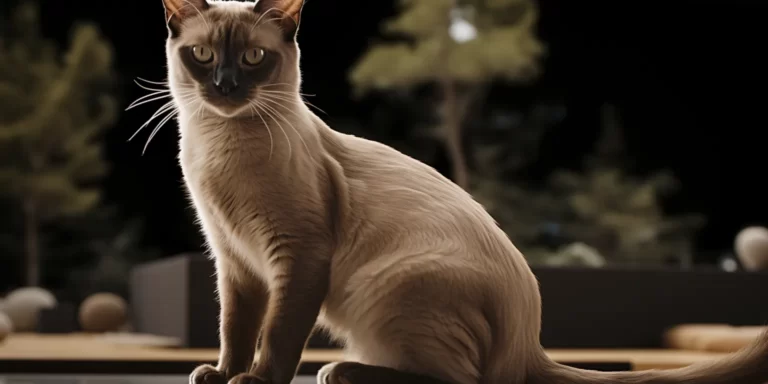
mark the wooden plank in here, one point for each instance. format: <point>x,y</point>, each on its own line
<point>95,348</point>
<point>711,337</point>
<point>640,359</point>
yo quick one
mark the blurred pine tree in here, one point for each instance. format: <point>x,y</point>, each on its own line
<point>620,215</point>
<point>53,108</point>
<point>601,215</point>
<point>460,46</point>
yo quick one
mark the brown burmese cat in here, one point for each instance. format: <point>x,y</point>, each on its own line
<point>310,225</point>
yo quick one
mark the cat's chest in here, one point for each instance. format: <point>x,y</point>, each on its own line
<point>230,196</point>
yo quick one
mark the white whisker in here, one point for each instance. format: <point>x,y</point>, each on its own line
<point>152,82</point>
<point>157,89</point>
<point>164,108</point>
<point>157,128</point>
<point>168,111</point>
<point>281,96</point>
<point>274,85</point>
<point>266,110</point>
<point>274,100</point>
<point>142,100</point>
<point>151,94</point>
<point>290,93</point>
<point>286,97</point>
<point>174,111</point>
<point>149,88</point>
<point>287,122</point>
<point>258,109</point>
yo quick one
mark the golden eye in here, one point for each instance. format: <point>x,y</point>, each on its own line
<point>202,54</point>
<point>254,56</point>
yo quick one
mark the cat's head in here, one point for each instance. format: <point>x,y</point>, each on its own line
<point>228,54</point>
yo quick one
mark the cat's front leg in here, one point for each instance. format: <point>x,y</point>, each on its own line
<point>293,310</point>
<point>243,302</point>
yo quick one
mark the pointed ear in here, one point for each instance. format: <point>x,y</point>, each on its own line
<point>176,11</point>
<point>287,13</point>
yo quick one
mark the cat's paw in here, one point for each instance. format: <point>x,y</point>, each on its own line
<point>324,374</point>
<point>206,374</point>
<point>245,378</point>
<point>347,372</point>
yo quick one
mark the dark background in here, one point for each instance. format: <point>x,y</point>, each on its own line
<point>688,77</point>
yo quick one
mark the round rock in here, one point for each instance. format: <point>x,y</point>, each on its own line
<point>103,312</point>
<point>23,306</point>
<point>752,248</point>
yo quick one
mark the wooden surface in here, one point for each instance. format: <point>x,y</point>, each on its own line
<point>84,348</point>
<point>639,359</point>
<point>711,337</point>
<point>95,347</point>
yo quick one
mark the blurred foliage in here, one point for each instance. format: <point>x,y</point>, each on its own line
<point>53,109</point>
<point>468,41</point>
<point>505,142</point>
<point>113,246</point>
<point>459,46</point>
<point>618,216</point>
<point>399,119</point>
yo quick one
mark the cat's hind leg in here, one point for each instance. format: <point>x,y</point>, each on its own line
<point>358,373</point>
<point>422,317</point>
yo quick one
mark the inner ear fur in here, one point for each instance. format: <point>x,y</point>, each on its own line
<point>176,11</point>
<point>287,13</point>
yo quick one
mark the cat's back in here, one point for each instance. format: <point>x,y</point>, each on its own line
<point>397,193</point>
<point>389,176</point>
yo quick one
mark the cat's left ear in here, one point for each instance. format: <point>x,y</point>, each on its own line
<point>286,12</point>
<point>176,11</point>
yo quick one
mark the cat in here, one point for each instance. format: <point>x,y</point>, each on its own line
<point>311,227</point>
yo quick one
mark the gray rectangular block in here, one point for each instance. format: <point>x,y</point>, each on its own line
<point>176,297</point>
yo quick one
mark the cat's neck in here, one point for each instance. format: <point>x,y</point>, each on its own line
<point>287,133</point>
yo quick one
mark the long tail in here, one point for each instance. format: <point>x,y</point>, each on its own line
<point>748,366</point>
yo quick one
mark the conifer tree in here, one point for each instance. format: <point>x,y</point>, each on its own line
<point>53,107</point>
<point>601,212</point>
<point>620,214</point>
<point>459,46</point>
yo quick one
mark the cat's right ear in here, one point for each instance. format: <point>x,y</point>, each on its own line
<point>176,11</point>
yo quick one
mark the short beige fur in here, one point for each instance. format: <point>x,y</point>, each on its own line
<point>309,225</point>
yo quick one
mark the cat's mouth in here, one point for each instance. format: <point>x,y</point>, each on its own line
<point>227,105</point>
<point>228,108</point>
<point>226,99</point>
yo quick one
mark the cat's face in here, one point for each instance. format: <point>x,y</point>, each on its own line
<point>232,55</point>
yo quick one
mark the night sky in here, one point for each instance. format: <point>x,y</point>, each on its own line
<point>688,77</point>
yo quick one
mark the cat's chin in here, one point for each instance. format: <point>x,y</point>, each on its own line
<point>229,111</point>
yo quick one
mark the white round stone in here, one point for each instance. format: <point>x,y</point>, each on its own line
<point>751,247</point>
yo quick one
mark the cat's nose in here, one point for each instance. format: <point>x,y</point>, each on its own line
<point>226,87</point>
<point>225,81</point>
